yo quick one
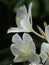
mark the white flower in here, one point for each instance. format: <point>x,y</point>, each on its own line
<point>24,49</point>
<point>35,64</point>
<point>23,20</point>
<point>45,46</point>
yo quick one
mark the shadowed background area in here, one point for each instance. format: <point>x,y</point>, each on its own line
<point>7,19</point>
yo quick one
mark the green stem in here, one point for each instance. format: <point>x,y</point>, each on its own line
<point>38,34</point>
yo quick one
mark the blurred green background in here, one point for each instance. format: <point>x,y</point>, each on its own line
<point>8,8</point>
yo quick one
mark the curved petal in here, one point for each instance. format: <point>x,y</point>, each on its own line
<point>44,51</point>
<point>17,39</point>
<point>44,47</point>
<point>29,41</point>
<point>43,57</point>
<point>29,13</point>
<point>30,7</point>
<point>14,30</point>
<point>25,24</point>
<point>16,50</point>
<point>21,13</point>
<point>47,32</point>
<point>47,62</point>
<point>34,58</point>
<point>18,59</point>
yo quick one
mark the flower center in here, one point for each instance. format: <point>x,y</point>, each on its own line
<point>26,49</point>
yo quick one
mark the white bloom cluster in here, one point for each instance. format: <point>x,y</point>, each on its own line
<point>24,48</point>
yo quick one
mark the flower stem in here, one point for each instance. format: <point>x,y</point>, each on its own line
<point>38,34</point>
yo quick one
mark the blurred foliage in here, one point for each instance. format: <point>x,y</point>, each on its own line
<point>6,58</point>
<point>6,61</point>
<point>46,6</point>
<point>17,5</point>
<point>8,2</point>
<point>39,8</point>
<point>35,7</point>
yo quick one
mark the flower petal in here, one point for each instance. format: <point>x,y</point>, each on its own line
<point>18,59</point>
<point>16,50</point>
<point>14,30</point>
<point>44,51</point>
<point>47,32</point>
<point>17,39</point>
<point>21,13</point>
<point>44,47</point>
<point>29,13</point>
<point>43,57</point>
<point>25,24</point>
<point>29,41</point>
<point>30,7</point>
<point>35,58</point>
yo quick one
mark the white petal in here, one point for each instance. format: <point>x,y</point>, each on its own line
<point>47,32</point>
<point>21,13</point>
<point>14,30</point>
<point>26,25</point>
<point>44,47</point>
<point>44,57</point>
<point>29,13</point>
<point>35,64</point>
<point>35,58</point>
<point>44,51</point>
<point>47,63</point>
<point>29,41</point>
<point>16,50</point>
<point>17,39</point>
<point>18,59</point>
<point>30,7</point>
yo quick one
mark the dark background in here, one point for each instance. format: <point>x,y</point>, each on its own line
<point>7,19</point>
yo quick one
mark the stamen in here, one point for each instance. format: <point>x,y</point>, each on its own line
<point>26,49</point>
